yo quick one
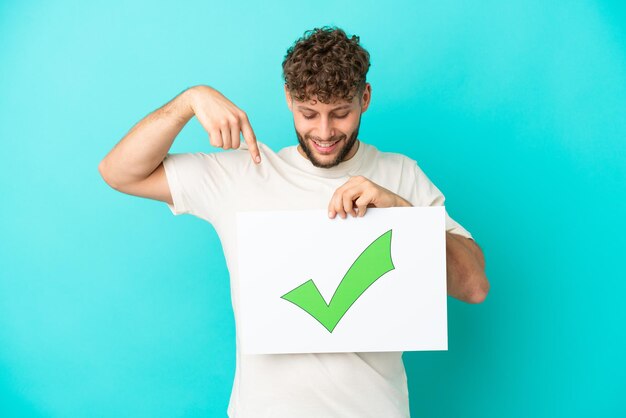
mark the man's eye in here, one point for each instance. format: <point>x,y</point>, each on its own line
<point>342,116</point>
<point>308,116</point>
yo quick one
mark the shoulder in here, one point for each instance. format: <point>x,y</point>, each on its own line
<point>236,159</point>
<point>201,161</point>
<point>390,160</point>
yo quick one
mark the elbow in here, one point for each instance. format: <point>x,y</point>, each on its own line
<point>102,169</point>
<point>478,280</point>
<point>479,292</point>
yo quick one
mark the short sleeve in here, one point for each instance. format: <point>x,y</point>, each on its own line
<point>425,193</point>
<point>194,180</point>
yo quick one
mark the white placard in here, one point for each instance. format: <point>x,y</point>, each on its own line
<point>398,254</point>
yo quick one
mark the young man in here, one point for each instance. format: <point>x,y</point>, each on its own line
<point>326,89</point>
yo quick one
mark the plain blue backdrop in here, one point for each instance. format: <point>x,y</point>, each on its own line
<point>112,307</point>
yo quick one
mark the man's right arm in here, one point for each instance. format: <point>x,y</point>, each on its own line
<point>135,165</point>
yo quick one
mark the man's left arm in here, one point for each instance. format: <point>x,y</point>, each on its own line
<point>465,263</point>
<point>465,266</point>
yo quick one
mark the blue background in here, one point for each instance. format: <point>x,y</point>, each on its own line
<point>112,307</point>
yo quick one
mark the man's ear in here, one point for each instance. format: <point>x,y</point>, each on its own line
<point>288,98</point>
<point>366,97</point>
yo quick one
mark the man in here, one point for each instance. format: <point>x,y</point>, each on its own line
<point>326,90</point>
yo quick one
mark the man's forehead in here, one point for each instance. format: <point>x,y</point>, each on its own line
<point>316,105</point>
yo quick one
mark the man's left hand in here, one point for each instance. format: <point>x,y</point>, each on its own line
<point>359,193</point>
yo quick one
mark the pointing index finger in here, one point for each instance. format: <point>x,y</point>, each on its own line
<point>250,138</point>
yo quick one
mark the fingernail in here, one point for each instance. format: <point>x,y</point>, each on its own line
<point>257,159</point>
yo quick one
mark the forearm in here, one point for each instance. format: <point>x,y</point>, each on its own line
<point>465,269</point>
<point>145,146</point>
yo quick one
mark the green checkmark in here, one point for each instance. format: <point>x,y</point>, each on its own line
<point>372,264</point>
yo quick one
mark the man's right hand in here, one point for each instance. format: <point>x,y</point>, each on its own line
<point>135,165</point>
<point>222,120</point>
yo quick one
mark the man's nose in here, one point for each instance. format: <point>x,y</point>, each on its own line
<point>326,129</point>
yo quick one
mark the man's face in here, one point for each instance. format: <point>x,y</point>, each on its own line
<point>327,133</point>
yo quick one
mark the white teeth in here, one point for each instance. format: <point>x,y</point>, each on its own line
<point>325,145</point>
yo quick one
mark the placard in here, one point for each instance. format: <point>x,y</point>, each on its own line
<point>310,284</point>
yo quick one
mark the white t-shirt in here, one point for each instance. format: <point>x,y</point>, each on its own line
<point>214,187</point>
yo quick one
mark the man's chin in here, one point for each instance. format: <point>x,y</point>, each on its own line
<point>331,158</point>
<point>325,162</point>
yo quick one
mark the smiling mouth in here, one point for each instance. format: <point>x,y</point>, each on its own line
<point>325,147</point>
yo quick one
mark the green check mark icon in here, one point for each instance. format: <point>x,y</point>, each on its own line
<point>370,265</point>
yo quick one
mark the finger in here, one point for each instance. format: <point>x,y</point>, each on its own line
<point>234,137</point>
<point>332,212</point>
<point>348,201</point>
<point>336,204</point>
<point>361,204</point>
<point>250,138</point>
<point>215,138</point>
<point>331,206</point>
<point>226,137</point>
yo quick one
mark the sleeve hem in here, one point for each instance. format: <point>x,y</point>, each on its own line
<point>455,228</point>
<point>179,207</point>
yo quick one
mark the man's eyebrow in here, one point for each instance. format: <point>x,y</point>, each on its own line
<point>345,106</point>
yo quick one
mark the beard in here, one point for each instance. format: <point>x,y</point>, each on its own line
<point>341,154</point>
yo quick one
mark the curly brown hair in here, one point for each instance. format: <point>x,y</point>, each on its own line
<point>326,64</point>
